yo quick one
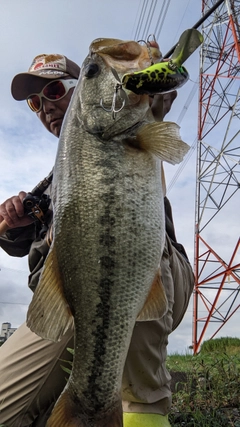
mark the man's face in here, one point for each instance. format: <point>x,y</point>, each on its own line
<point>52,113</point>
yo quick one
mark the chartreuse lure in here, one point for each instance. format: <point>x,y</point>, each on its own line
<point>167,75</point>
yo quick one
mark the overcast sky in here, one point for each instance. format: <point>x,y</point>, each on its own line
<point>29,28</point>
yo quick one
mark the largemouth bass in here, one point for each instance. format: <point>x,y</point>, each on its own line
<point>102,270</point>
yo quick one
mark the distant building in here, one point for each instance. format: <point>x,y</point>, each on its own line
<point>6,331</point>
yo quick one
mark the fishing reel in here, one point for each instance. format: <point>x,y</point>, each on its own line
<point>37,207</point>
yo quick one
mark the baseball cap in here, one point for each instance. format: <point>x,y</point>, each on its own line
<point>44,66</point>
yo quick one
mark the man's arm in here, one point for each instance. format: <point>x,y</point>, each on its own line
<point>17,242</point>
<point>161,104</point>
<point>21,232</point>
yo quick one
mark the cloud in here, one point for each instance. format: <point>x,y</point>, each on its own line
<point>27,150</point>
<point>15,295</point>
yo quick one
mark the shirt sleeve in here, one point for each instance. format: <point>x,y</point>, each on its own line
<point>17,242</point>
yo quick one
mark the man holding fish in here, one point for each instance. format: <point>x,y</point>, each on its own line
<point>30,366</point>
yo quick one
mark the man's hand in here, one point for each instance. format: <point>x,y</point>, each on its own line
<point>161,104</point>
<point>12,212</point>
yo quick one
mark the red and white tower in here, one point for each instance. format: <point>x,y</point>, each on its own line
<point>217,242</point>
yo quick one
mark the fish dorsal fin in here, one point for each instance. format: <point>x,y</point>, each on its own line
<point>49,315</point>
<point>156,304</point>
<point>163,139</point>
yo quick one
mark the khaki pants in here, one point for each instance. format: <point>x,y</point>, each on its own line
<point>31,377</point>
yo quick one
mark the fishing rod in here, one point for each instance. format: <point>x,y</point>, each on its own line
<point>198,23</point>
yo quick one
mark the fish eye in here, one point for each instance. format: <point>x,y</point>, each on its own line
<point>91,70</point>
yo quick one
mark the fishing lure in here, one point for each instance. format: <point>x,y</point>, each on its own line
<point>167,75</point>
<point>157,78</point>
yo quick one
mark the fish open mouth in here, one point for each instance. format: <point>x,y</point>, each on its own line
<point>117,49</point>
<point>124,55</point>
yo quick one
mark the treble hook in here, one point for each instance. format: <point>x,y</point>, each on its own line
<point>148,44</point>
<point>153,37</point>
<point>118,91</point>
<point>148,48</point>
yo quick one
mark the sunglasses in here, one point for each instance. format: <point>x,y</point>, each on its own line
<point>53,91</point>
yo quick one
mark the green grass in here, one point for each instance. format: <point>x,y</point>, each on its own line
<point>206,387</point>
<point>228,345</point>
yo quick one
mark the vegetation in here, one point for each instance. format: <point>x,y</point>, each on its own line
<point>206,387</point>
<point>67,367</point>
<point>228,344</point>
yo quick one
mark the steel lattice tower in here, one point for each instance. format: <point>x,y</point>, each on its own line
<point>216,293</point>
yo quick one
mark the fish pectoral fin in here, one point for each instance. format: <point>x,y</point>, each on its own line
<point>162,139</point>
<point>156,304</point>
<point>69,412</point>
<point>49,315</point>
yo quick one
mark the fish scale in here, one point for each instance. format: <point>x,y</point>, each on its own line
<point>102,270</point>
<point>112,264</point>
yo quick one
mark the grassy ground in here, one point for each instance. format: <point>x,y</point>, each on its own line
<point>206,387</point>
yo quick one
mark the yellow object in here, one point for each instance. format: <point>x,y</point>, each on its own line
<point>131,419</point>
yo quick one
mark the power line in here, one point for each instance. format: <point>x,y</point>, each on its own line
<point>158,28</point>
<point>135,21</point>
<point>159,16</point>
<point>182,166</point>
<point>13,303</point>
<point>141,18</point>
<point>149,19</point>
<point>198,23</point>
<point>180,23</point>
<point>162,16</point>
<point>13,269</point>
<point>194,144</point>
<point>188,102</point>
